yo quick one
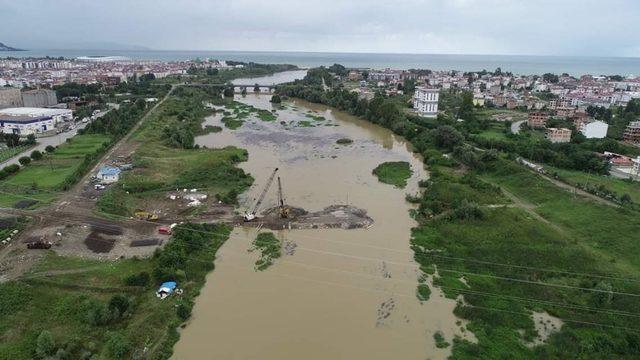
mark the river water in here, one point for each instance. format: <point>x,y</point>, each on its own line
<point>343,294</point>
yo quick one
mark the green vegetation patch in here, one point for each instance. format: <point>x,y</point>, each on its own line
<point>315,116</point>
<point>107,309</point>
<point>231,122</point>
<point>269,247</point>
<point>423,292</point>
<point>394,172</point>
<point>344,141</point>
<point>441,343</point>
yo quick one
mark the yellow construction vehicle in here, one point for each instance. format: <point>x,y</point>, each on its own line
<point>284,209</point>
<point>145,215</point>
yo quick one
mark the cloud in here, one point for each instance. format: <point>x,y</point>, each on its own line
<point>544,27</point>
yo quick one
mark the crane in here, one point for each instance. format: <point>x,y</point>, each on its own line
<point>248,216</point>
<point>284,209</point>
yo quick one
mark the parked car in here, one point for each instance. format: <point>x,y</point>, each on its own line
<point>99,187</point>
<point>164,230</point>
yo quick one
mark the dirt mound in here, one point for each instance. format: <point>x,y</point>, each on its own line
<point>98,244</point>
<point>146,242</point>
<point>8,222</point>
<point>23,204</point>
<point>105,227</point>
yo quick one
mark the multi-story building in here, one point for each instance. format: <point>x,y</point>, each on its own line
<point>594,129</point>
<point>10,97</point>
<point>537,120</point>
<point>632,133</point>
<point>425,101</point>
<point>39,98</point>
<point>558,135</point>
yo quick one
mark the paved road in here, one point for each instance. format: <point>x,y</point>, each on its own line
<point>515,127</point>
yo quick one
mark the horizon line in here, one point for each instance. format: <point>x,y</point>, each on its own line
<point>333,52</point>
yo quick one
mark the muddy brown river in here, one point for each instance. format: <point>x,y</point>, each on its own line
<point>342,294</point>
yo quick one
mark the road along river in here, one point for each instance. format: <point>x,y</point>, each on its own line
<point>342,294</point>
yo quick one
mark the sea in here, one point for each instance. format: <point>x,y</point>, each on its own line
<point>517,64</point>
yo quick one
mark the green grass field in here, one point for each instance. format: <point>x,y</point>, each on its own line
<point>616,185</point>
<point>8,153</point>
<point>580,237</point>
<point>42,179</point>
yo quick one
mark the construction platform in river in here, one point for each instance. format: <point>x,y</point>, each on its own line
<point>334,216</point>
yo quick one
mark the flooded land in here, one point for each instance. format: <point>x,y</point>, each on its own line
<point>335,293</point>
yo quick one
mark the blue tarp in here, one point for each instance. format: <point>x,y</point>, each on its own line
<point>166,289</point>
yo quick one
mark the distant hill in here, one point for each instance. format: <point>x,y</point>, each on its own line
<point>4,47</point>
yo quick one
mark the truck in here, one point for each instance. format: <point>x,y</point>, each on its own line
<point>145,215</point>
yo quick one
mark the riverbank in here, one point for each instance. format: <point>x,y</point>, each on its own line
<point>508,244</point>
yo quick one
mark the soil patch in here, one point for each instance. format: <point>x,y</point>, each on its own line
<point>98,244</point>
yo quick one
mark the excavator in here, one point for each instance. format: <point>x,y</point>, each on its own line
<point>251,215</point>
<point>284,209</point>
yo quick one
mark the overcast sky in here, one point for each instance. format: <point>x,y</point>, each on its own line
<point>538,27</point>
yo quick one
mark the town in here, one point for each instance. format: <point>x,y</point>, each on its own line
<point>111,163</point>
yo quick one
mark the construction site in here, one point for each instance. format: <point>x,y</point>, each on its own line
<point>285,216</point>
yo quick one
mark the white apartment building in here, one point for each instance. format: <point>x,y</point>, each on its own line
<point>594,129</point>
<point>425,101</point>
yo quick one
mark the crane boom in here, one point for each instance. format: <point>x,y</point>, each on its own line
<point>250,216</point>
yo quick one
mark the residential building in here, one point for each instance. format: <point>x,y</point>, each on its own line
<point>537,120</point>
<point>39,98</point>
<point>425,101</point>
<point>558,135</point>
<point>10,97</point>
<point>594,129</point>
<point>108,174</point>
<point>632,133</point>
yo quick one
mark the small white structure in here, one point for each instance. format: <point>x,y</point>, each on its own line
<point>594,130</point>
<point>108,175</point>
<point>425,101</point>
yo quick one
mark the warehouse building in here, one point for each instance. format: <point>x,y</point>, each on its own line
<point>25,121</point>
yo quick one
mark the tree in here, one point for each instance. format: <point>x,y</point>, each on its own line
<point>31,139</point>
<point>12,140</point>
<point>228,91</point>
<point>466,111</point>
<point>275,99</point>
<point>211,71</point>
<point>24,161</point>
<point>45,344</point>
<point>147,77</point>
<point>447,137</point>
<point>549,77</point>
<point>49,149</point>
<point>256,88</point>
<point>36,155</point>
<point>244,91</point>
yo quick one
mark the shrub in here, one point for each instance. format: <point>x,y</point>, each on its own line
<point>45,344</point>
<point>140,279</point>
<point>117,346</point>
<point>36,155</point>
<point>49,149</point>
<point>344,141</point>
<point>183,311</point>
<point>24,161</point>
